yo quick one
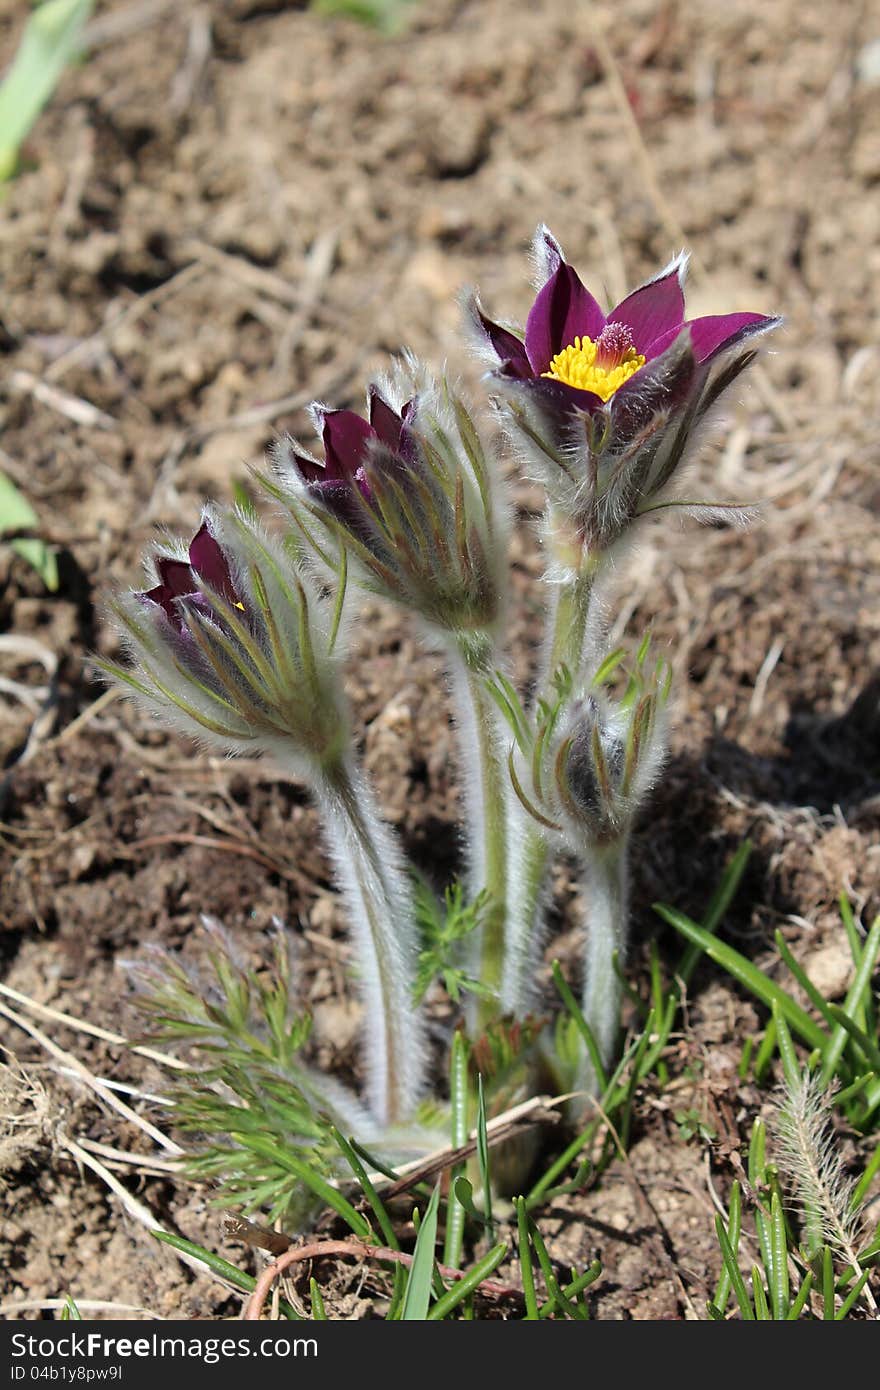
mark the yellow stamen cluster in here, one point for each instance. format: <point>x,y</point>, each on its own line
<point>576,366</point>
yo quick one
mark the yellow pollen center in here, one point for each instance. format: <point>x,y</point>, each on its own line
<point>576,366</point>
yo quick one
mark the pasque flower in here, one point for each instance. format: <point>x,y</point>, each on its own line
<point>606,403</point>
<point>411,497</point>
<point>235,645</point>
<point>205,564</point>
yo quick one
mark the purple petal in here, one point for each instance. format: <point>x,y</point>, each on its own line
<point>175,576</point>
<point>508,348</point>
<point>716,332</point>
<point>386,423</point>
<point>656,390</point>
<point>654,309</point>
<point>209,563</point>
<point>558,403</point>
<point>345,437</point>
<point>164,597</point>
<point>337,497</point>
<point>562,311</point>
<point>310,470</point>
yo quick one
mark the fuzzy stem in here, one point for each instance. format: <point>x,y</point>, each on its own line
<point>379,901</point>
<point>568,626</point>
<point>607,922</point>
<point>488,797</point>
<point>528,888</point>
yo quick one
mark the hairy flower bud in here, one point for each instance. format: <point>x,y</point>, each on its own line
<point>410,496</point>
<point>234,646</point>
<point>583,765</point>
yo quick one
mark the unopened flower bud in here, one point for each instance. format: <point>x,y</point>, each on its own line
<point>411,497</point>
<point>234,646</point>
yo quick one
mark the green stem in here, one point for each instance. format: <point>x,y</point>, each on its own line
<point>379,899</point>
<point>488,797</point>
<point>607,921</point>
<point>568,625</point>
<point>528,890</point>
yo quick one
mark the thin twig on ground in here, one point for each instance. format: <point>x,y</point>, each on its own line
<point>320,1248</point>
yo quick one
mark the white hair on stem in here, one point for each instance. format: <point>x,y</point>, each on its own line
<point>378,899</point>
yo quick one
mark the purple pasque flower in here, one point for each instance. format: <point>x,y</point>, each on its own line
<point>180,578</point>
<point>408,495</point>
<point>349,441</point>
<point>236,644</point>
<point>587,357</point>
<point>605,405</point>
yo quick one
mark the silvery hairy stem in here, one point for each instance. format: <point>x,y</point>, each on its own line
<point>378,897</point>
<point>605,882</point>
<point>529,867</point>
<point>487,798</point>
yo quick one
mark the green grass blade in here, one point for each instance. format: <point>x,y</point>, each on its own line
<point>369,1191</point>
<point>866,1045</point>
<point>572,1290</point>
<point>780,1291</point>
<point>861,985</point>
<point>583,1027</point>
<point>421,1275</point>
<point>221,1267</point>
<point>786,1049</point>
<point>765,1052</point>
<point>828,1313</point>
<point>734,1231</point>
<point>762,1308</point>
<point>803,1294</point>
<point>467,1285</point>
<point>718,905</point>
<point>70,1312</point>
<point>851,1297</point>
<point>48,44</point>
<point>566,1306</point>
<point>747,974</point>
<point>318,1313</point>
<point>483,1158</point>
<point>860,1191</point>
<point>458,1098</point>
<point>738,1284</point>
<point>819,1003</point>
<point>525,1260</point>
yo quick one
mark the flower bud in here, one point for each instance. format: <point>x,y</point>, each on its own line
<point>583,767</point>
<point>409,495</point>
<point>234,646</point>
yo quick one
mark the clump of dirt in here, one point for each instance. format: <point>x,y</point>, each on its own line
<point>231,209</point>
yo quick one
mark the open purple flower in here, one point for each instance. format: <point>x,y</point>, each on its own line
<point>605,405</point>
<point>578,357</point>
<point>179,579</point>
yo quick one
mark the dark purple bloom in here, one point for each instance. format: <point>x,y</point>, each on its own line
<point>606,405</point>
<point>575,357</point>
<point>179,579</point>
<point>349,441</point>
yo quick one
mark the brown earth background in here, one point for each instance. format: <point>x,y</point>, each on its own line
<point>233,207</point>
